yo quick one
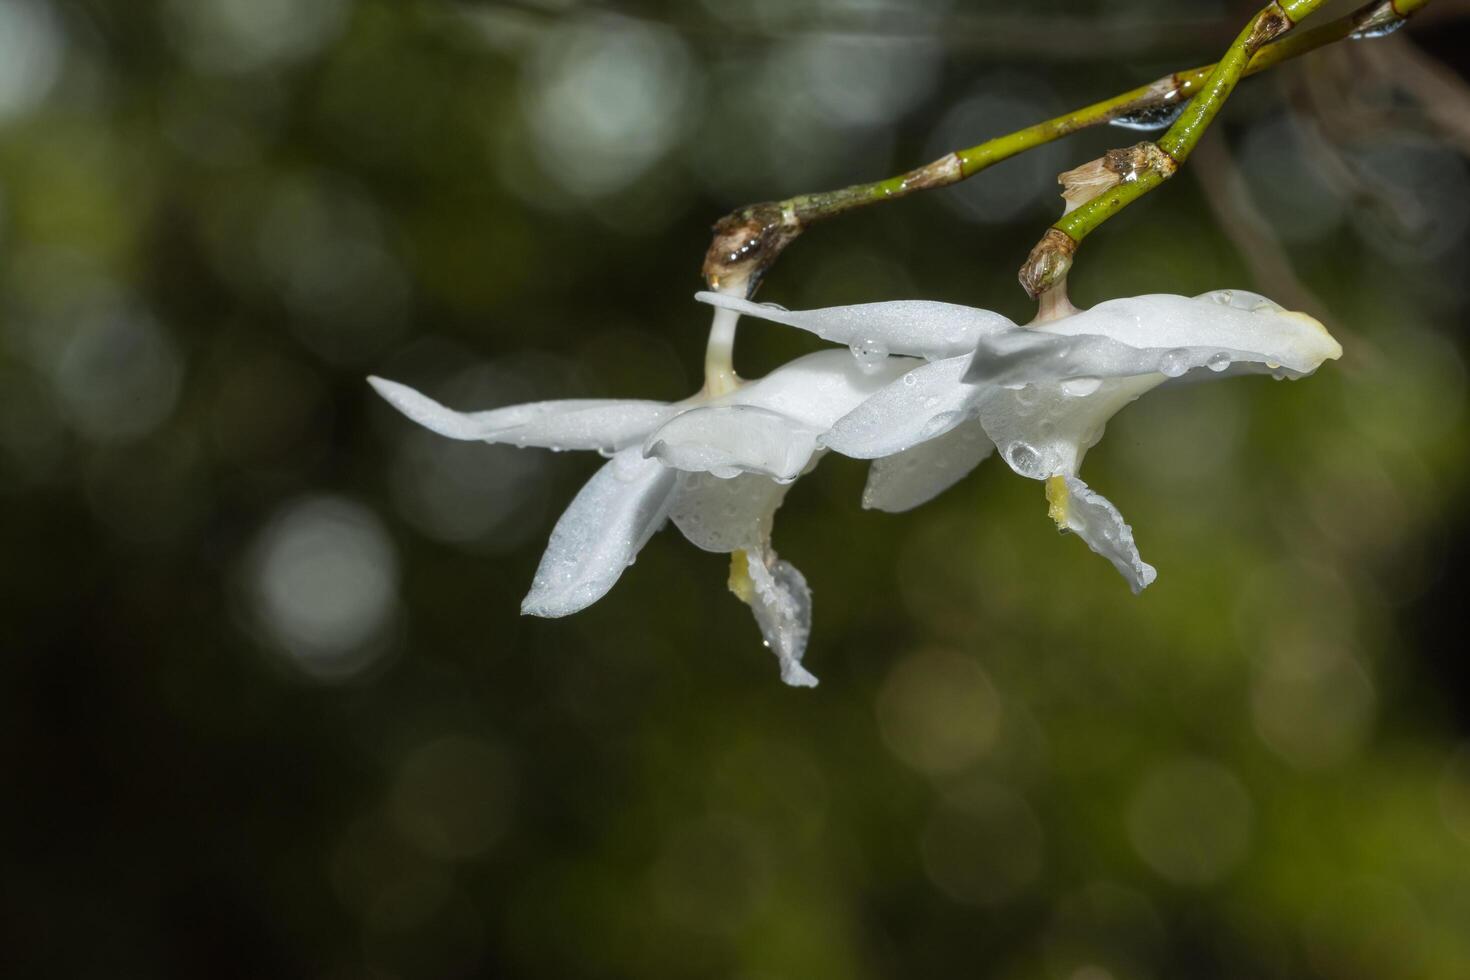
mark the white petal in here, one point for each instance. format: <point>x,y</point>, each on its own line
<point>818,389</point>
<point>1169,335</point>
<point>782,604</point>
<point>917,475</point>
<point>726,515</point>
<point>918,327</point>
<point>1042,429</point>
<point>600,534</point>
<point>923,404</point>
<point>730,439</point>
<point>576,423</point>
<point>1096,521</point>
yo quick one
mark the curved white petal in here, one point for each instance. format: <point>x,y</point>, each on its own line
<point>1168,335</point>
<point>725,515</point>
<point>575,423</point>
<point>782,604</point>
<point>917,475</point>
<point>818,389</point>
<point>730,439</point>
<point>736,516</point>
<point>919,327</point>
<point>1043,429</point>
<point>600,534</point>
<point>922,404</point>
<point>1096,521</point>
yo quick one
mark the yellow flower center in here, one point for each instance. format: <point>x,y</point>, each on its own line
<point>740,582</point>
<point>1057,499</point>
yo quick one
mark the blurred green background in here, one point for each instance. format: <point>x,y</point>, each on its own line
<point>266,705</point>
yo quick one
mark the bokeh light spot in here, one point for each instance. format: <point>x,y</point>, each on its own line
<point>983,845</point>
<point>31,54</point>
<point>323,586</point>
<point>603,100</point>
<point>452,797</point>
<point>938,711</point>
<point>1190,821</point>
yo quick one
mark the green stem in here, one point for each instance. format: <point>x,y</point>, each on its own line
<point>1144,167</point>
<point>1181,137</point>
<point>748,241</point>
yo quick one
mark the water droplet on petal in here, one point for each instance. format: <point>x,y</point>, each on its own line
<point>1024,459</point>
<point>1174,363</point>
<point>910,380</point>
<point>940,424</point>
<point>869,354</point>
<point>1080,387</point>
<point>1218,362</point>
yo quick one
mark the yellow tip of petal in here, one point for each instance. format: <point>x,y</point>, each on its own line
<point>1057,499</point>
<point>740,582</point>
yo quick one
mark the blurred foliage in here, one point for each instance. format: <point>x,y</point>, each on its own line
<point>268,708</point>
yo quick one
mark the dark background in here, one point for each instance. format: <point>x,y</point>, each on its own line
<point>266,705</point>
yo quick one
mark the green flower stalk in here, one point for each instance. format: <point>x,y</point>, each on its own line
<point>1148,165</point>
<point>747,241</point>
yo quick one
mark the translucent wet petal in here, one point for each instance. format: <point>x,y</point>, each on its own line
<point>782,604</point>
<point>923,404</point>
<point>729,439</point>
<point>917,475</point>
<point>600,534</point>
<point>818,389</point>
<point>578,423</point>
<point>1158,334</point>
<point>1094,519</point>
<point>1042,429</point>
<point>919,327</point>
<point>726,515</point>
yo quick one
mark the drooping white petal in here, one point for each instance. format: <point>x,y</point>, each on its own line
<point>726,515</point>
<point>577,423</point>
<point>1043,429</point>
<point>917,475</point>
<point>782,604</point>
<point>600,534</point>
<point>918,327</point>
<point>735,516</point>
<point>818,389</point>
<point>1168,335</point>
<point>1075,506</point>
<point>922,404</point>
<point>729,439</point>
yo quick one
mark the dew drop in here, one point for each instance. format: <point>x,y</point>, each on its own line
<point>1080,387</point>
<point>1174,363</point>
<point>1152,118</point>
<point>1378,30</point>
<point>910,380</point>
<point>1024,459</point>
<point>1218,362</point>
<point>869,354</point>
<point>940,424</point>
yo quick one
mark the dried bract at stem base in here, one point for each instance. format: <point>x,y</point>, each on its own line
<point>1048,262</point>
<point>746,243</point>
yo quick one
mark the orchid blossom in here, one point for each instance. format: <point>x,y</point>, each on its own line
<point>1042,393</point>
<point>718,464</point>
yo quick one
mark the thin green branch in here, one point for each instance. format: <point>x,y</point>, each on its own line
<point>747,241</point>
<point>1149,165</point>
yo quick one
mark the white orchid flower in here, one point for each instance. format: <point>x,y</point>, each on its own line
<point>718,464</point>
<point>1042,393</point>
